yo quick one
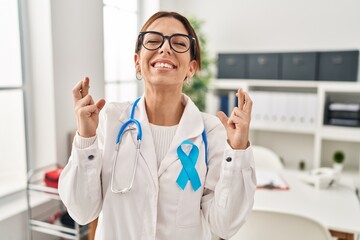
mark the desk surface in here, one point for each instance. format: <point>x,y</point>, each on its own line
<point>337,207</point>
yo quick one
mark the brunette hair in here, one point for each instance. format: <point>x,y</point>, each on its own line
<point>195,46</point>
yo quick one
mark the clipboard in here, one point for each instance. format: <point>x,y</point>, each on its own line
<point>271,180</point>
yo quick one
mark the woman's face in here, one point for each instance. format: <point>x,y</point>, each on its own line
<point>164,66</point>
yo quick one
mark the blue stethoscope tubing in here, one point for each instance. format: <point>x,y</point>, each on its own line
<point>122,130</point>
<point>128,122</point>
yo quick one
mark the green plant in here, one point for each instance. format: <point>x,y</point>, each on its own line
<point>198,87</point>
<point>302,164</point>
<point>339,156</point>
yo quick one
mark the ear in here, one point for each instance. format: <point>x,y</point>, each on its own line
<point>192,68</point>
<point>136,61</point>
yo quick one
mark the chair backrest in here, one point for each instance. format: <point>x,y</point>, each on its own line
<point>266,159</point>
<point>280,226</point>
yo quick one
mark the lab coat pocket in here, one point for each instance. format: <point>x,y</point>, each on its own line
<point>189,211</point>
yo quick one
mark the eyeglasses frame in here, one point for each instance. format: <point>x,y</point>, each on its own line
<point>191,38</point>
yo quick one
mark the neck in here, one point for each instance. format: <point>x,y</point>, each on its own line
<point>164,108</point>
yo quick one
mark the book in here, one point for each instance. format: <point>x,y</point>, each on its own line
<point>267,179</point>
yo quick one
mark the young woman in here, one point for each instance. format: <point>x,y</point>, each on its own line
<point>171,171</point>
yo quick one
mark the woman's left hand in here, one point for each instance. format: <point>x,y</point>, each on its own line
<point>237,125</point>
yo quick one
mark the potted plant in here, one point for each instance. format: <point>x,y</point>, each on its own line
<point>302,165</point>
<point>338,158</point>
<point>198,87</point>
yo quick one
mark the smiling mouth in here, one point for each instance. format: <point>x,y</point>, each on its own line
<point>163,65</point>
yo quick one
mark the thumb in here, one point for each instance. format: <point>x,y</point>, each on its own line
<point>100,104</point>
<point>223,118</point>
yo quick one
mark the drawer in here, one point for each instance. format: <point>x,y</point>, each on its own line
<point>231,65</point>
<point>298,66</point>
<point>263,66</point>
<point>338,66</point>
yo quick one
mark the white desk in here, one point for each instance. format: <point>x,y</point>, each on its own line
<point>337,207</point>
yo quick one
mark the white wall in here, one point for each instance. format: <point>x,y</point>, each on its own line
<point>66,44</point>
<point>146,9</point>
<point>77,34</point>
<point>39,82</point>
<point>277,25</point>
<point>63,43</point>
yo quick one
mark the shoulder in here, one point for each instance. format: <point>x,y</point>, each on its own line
<point>116,106</point>
<point>115,109</point>
<point>211,122</point>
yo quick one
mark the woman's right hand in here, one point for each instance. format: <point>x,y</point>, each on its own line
<point>87,112</point>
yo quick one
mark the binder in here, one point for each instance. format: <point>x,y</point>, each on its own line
<point>345,122</point>
<point>344,114</point>
<point>256,113</point>
<point>224,103</point>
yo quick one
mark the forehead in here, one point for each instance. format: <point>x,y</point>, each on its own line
<point>167,26</point>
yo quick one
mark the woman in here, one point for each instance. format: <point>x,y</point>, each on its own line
<point>194,175</point>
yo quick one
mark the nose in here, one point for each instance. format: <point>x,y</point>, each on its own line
<point>165,47</point>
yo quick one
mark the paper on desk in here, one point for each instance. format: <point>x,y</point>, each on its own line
<point>270,180</point>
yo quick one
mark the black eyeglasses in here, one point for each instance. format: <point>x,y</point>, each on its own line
<point>180,43</point>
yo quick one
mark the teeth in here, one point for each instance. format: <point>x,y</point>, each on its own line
<point>163,65</point>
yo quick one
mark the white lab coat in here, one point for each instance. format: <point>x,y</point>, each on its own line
<point>156,207</point>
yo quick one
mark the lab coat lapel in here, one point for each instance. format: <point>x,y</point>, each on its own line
<point>191,126</point>
<point>147,148</point>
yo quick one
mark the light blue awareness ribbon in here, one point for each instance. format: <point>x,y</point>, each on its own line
<point>188,172</point>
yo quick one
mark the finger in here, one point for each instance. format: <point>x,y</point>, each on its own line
<point>233,119</point>
<point>248,104</point>
<point>100,104</point>
<point>76,91</point>
<point>223,118</point>
<point>236,111</point>
<point>86,101</point>
<point>241,98</point>
<point>241,118</point>
<point>88,110</point>
<point>85,86</point>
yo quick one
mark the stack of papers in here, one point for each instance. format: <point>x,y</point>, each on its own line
<point>270,180</point>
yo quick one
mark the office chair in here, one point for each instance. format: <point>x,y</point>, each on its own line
<point>280,226</point>
<point>266,159</point>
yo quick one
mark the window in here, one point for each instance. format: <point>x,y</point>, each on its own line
<point>120,32</point>
<point>12,123</point>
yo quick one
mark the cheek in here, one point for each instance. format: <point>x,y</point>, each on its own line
<point>144,59</point>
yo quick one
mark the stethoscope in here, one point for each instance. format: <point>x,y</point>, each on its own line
<point>122,130</point>
<point>182,179</point>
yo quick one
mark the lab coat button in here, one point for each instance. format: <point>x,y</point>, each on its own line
<point>228,159</point>
<point>91,157</point>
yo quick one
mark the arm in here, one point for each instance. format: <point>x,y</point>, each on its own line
<point>229,193</point>
<point>80,181</point>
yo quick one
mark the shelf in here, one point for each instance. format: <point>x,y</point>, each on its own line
<point>43,219</point>
<point>40,188</point>
<point>40,223</point>
<point>227,84</point>
<point>347,134</point>
<point>235,83</point>
<point>297,139</point>
<point>282,128</point>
